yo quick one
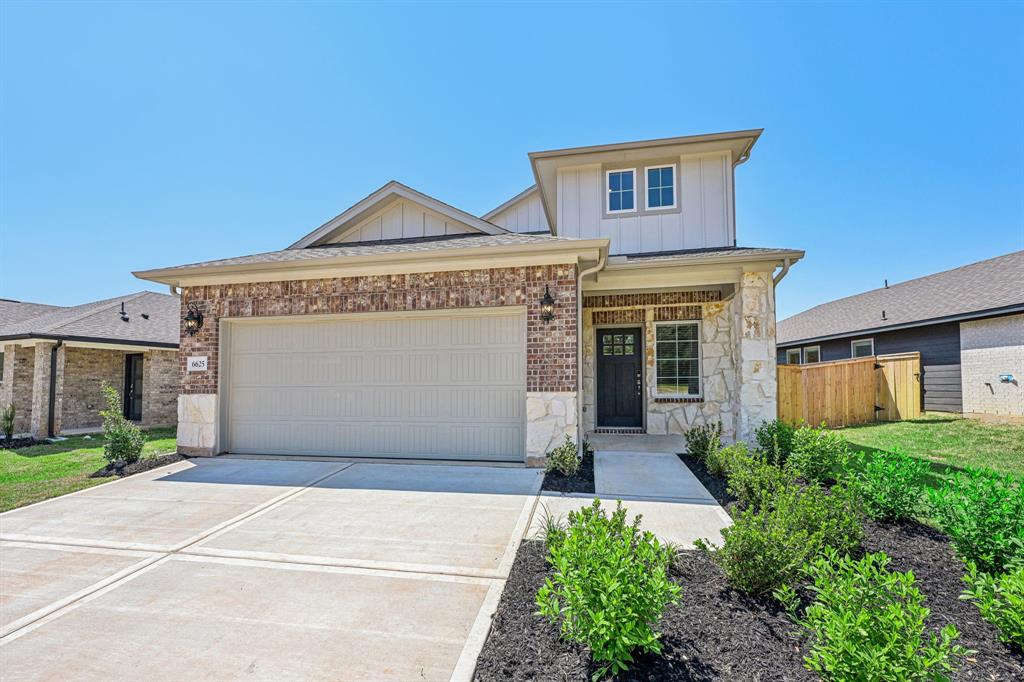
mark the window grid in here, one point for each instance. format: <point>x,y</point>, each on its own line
<point>661,187</point>
<point>621,191</point>
<point>677,359</point>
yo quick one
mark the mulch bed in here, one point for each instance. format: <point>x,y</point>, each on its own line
<point>581,482</point>
<point>717,633</point>
<point>138,467</point>
<point>15,443</point>
<point>713,633</point>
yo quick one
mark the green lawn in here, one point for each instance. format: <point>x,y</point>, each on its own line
<point>946,441</point>
<point>39,472</point>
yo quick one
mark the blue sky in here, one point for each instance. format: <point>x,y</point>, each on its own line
<point>134,136</point>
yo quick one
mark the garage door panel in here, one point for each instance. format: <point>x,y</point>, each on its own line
<point>435,387</point>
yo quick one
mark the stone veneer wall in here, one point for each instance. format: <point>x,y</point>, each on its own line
<point>550,347</point>
<point>989,348</point>
<point>16,387</point>
<point>737,355</point>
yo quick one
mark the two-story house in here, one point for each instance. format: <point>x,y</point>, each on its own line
<point>611,296</point>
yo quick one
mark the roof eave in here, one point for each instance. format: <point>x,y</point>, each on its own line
<point>958,317</point>
<point>30,336</point>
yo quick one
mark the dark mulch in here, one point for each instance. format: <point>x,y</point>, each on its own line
<point>15,443</point>
<point>138,467</point>
<point>927,552</point>
<point>713,633</point>
<point>580,482</point>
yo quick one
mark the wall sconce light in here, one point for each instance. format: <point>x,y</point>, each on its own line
<point>193,319</point>
<point>547,306</point>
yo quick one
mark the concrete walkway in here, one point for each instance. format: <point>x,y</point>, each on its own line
<point>261,569</point>
<point>657,485</point>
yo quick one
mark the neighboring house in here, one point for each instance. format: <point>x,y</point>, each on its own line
<point>611,296</point>
<point>56,359</point>
<point>967,323</point>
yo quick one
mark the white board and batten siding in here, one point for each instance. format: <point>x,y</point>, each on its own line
<point>525,215</point>
<point>705,220</point>
<point>401,220</point>
<point>396,385</point>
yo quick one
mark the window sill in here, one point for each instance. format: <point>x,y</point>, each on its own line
<point>679,399</point>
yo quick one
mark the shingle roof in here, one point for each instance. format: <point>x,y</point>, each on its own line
<point>97,320</point>
<point>986,285</point>
<point>420,245</point>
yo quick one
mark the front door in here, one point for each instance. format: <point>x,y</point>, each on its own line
<point>133,386</point>
<point>619,378</point>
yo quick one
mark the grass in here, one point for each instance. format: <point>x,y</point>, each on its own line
<point>946,441</point>
<point>47,470</point>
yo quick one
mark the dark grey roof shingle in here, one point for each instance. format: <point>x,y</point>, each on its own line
<point>397,246</point>
<point>985,285</point>
<point>98,320</point>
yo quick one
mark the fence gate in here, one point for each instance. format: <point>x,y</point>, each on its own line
<point>845,392</point>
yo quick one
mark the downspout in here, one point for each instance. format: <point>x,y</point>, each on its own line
<point>53,388</point>
<point>601,261</point>
<point>782,273</point>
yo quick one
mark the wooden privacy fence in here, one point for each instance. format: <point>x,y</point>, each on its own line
<point>845,392</point>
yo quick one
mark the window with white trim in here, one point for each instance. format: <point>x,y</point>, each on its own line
<point>661,186</point>
<point>862,348</point>
<point>812,354</point>
<point>793,356</point>
<point>677,359</point>
<point>621,191</point>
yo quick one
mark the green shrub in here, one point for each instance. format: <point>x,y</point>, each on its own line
<point>754,482</point>
<point>867,623</point>
<point>817,454</point>
<point>983,514</point>
<point>721,461</point>
<point>609,587</point>
<point>565,459</point>
<point>889,484</point>
<point>775,440</point>
<point>7,422</point>
<point>1000,599</point>
<point>768,545</point>
<point>124,440</point>
<point>701,441</point>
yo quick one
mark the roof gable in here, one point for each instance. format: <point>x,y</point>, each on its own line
<point>396,211</point>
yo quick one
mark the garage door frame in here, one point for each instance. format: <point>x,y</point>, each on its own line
<point>226,324</point>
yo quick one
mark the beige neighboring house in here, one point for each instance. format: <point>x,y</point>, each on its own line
<point>56,359</point>
<point>610,296</point>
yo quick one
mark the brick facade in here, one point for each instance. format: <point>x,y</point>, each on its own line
<point>16,387</point>
<point>990,348</point>
<point>550,346</point>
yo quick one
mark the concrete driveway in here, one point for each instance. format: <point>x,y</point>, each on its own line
<point>262,569</point>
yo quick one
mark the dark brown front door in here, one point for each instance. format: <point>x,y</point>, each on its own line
<point>619,378</point>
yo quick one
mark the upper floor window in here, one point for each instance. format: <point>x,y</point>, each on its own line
<point>661,186</point>
<point>621,191</point>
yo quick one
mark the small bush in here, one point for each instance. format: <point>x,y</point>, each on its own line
<point>867,623</point>
<point>817,454</point>
<point>754,482</point>
<point>983,514</point>
<point>7,422</point>
<point>701,441</point>
<point>1000,599</point>
<point>775,440</point>
<point>889,484</point>
<point>768,545</point>
<point>564,459</point>
<point>721,461</point>
<point>124,440</point>
<point>609,587</point>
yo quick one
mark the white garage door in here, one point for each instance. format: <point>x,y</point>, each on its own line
<point>402,385</point>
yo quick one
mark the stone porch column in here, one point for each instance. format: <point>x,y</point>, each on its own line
<point>39,424</point>
<point>755,342</point>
